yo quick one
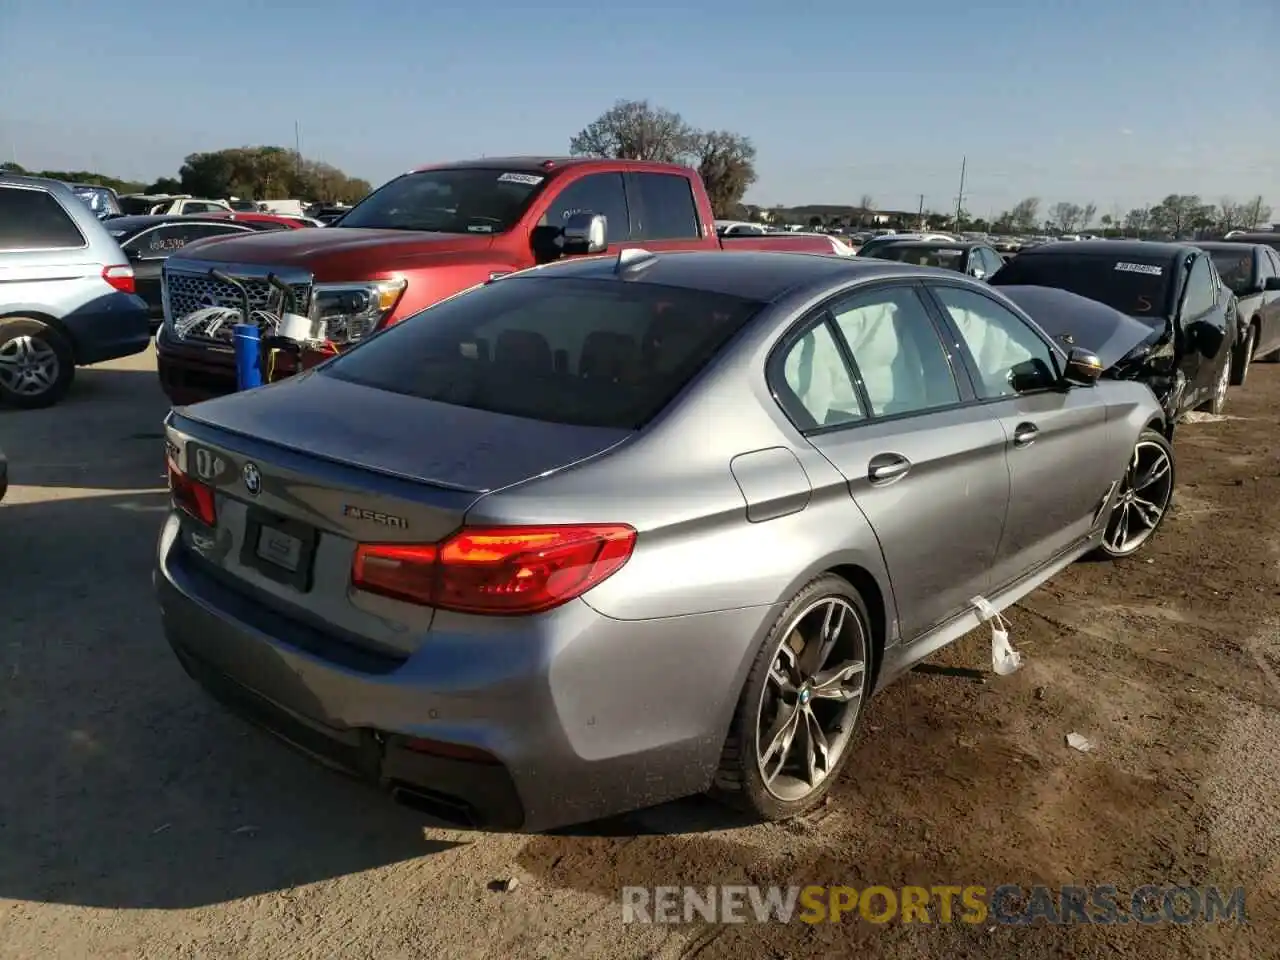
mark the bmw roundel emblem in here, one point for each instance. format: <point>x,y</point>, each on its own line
<point>252,479</point>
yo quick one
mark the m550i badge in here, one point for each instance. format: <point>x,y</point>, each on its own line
<point>373,516</point>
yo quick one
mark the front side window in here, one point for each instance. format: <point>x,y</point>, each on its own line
<point>601,193</point>
<point>900,359</point>
<point>456,200</point>
<point>1199,298</point>
<point>32,219</point>
<point>571,351</point>
<point>1009,356</point>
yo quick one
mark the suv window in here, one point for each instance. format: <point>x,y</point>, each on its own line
<point>667,208</point>
<point>899,356</point>
<point>158,242</point>
<point>1009,356</point>
<point>1199,297</point>
<point>558,350</point>
<point>1274,258</point>
<point>817,389</point>
<point>33,219</point>
<point>597,193</point>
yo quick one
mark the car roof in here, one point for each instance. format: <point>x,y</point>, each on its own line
<point>1227,246</point>
<point>1265,237</point>
<point>1112,249</point>
<point>546,165</point>
<point>942,244</point>
<point>763,276</point>
<point>44,183</point>
<point>132,223</point>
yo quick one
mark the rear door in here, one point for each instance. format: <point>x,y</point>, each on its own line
<point>924,464</point>
<point>1062,454</point>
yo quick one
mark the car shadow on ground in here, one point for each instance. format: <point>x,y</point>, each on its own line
<point>106,435</point>
<point>124,786</point>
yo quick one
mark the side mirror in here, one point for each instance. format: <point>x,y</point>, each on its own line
<point>1273,283</point>
<point>581,233</point>
<point>586,233</point>
<point>1206,338</point>
<point>1083,368</point>
<point>977,273</point>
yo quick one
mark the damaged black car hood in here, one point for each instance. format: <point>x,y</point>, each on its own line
<point>1076,321</point>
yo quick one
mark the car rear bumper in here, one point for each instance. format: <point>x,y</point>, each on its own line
<point>529,725</point>
<point>112,326</point>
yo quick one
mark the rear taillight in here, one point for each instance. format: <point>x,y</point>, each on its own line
<point>192,497</point>
<point>120,277</point>
<point>495,570</point>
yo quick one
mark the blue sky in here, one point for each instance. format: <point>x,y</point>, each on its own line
<point>1115,103</point>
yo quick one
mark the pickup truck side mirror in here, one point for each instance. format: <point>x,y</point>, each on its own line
<point>581,233</point>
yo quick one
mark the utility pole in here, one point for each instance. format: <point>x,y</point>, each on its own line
<point>297,147</point>
<point>964,161</point>
<point>920,215</point>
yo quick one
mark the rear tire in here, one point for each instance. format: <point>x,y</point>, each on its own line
<point>1241,358</point>
<point>1143,499</point>
<point>37,364</point>
<point>801,704</point>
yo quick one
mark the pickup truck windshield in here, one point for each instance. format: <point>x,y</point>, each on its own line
<point>567,351</point>
<point>1133,285</point>
<point>460,200</point>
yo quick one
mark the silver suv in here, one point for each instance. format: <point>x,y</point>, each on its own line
<point>66,292</point>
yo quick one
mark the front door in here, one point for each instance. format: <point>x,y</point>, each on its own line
<point>1062,454</point>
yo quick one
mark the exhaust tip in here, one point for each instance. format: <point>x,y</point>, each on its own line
<point>435,805</point>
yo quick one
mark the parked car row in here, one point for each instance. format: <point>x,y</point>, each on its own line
<point>1212,308</point>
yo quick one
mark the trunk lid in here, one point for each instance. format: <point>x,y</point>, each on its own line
<point>1076,321</point>
<point>306,469</point>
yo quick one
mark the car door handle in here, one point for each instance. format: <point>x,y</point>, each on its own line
<point>886,467</point>
<point>1024,434</point>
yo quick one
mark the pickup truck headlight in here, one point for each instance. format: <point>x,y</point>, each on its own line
<point>352,311</point>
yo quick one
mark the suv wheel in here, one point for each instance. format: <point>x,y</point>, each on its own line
<point>36,364</point>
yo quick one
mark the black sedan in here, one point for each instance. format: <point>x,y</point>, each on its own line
<point>149,240</point>
<point>975,258</point>
<point>1172,287</point>
<point>1252,271</point>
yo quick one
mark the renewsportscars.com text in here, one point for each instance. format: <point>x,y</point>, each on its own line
<point>1006,904</point>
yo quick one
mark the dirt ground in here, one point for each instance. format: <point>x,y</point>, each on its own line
<point>137,819</point>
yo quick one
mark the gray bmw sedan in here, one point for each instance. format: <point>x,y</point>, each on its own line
<point>605,533</point>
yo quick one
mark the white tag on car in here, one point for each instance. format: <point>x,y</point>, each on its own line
<point>1004,659</point>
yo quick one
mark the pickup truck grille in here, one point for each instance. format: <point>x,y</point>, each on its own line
<point>185,293</point>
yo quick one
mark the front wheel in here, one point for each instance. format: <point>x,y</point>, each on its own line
<point>801,703</point>
<point>1218,402</point>
<point>1142,499</point>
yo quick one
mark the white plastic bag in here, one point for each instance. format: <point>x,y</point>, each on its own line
<point>1004,659</point>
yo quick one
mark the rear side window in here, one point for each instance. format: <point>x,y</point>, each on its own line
<point>667,208</point>
<point>34,220</point>
<point>584,352</point>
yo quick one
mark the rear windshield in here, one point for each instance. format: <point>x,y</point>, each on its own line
<point>1235,267</point>
<point>948,257</point>
<point>1134,285</point>
<point>598,353</point>
<point>460,200</point>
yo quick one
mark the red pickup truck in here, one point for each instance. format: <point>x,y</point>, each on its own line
<point>425,236</point>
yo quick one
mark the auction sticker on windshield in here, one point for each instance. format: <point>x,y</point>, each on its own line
<point>1146,268</point>
<point>530,179</point>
